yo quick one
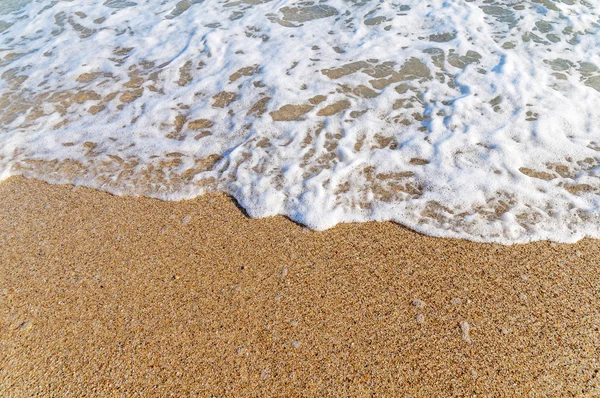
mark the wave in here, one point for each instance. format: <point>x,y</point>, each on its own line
<point>471,119</point>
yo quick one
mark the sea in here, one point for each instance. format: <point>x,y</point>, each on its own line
<point>471,119</point>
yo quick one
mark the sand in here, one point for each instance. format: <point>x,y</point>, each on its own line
<point>118,296</point>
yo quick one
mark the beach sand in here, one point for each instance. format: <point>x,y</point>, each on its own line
<point>119,296</point>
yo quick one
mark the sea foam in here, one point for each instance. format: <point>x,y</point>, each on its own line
<point>470,119</point>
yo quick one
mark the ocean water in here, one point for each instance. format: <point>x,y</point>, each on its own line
<point>476,119</point>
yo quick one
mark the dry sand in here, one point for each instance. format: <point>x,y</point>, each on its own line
<point>115,296</point>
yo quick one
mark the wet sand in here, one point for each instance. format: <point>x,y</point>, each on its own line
<point>119,296</point>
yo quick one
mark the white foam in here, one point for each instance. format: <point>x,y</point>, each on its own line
<point>475,120</point>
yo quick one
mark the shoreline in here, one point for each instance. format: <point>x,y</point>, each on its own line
<point>120,295</point>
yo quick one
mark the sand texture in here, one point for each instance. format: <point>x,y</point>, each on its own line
<point>119,296</point>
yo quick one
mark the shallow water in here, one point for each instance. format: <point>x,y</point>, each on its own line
<point>472,119</point>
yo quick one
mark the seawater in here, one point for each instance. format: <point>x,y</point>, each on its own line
<point>470,119</point>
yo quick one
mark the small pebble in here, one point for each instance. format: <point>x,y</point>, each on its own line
<point>186,219</point>
<point>296,344</point>
<point>523,296</point>
<point>456,301</point>
<point>420,318</point>
<point>284,271</point>
<point>418,303</point>
<point>240,350</point>
<point>465,329</point>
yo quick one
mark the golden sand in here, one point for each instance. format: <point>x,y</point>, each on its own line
<point>118,296</point>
